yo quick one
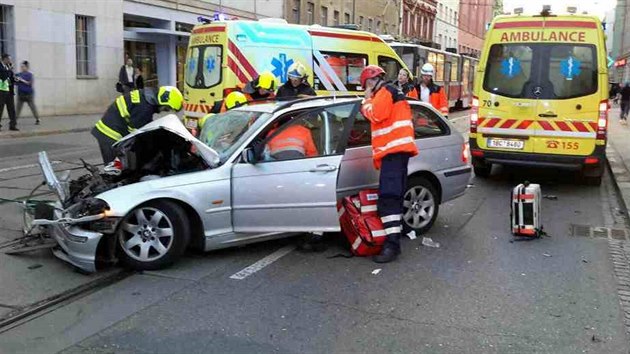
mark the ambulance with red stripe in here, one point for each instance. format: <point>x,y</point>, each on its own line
<point>222,55</point>
<point>541,95</point>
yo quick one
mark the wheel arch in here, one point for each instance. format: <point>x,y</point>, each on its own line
<point>431,178</point>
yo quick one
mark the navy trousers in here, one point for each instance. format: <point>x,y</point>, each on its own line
<point>391,189</point>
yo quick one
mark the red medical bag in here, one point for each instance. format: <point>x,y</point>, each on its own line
<point>361,224</point>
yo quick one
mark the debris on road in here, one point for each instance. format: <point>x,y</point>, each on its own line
<point>426,241</point>
<point>596,339</point>
<point>470,186</point>
<point>35,266</point>
<point>376,271</point>
<point>550,197</point>
<point>546,255</point>
<point>584,261</point>
<point>412,234</point>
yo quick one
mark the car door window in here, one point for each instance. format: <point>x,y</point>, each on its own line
<point>360,133</point>
<point>309,134</point>
<point>427,123</point>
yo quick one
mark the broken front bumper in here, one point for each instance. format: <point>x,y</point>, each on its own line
<point>77,246</point>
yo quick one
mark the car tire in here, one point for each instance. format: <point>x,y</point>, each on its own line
<point>421,195</point>
<point>483,170</point>
<point>153,235</point>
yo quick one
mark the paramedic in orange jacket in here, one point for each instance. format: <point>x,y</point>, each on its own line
<point>430,92</point>
<point>393,143</point>
<point>293,142</point>
<point>405,84</point>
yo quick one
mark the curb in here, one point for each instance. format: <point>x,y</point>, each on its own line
<point>44,132</point>
<point>620,176</point>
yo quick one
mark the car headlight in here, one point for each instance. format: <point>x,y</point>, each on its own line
<point>106,225</point>
<point>94,206</point>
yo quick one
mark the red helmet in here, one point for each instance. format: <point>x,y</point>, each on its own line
<point>369,72</point>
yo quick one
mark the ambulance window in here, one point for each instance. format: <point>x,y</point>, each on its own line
<point>426,123</point>
<point>346,67</point>
<point>203,66</point>
<point>508,69</point>
<point>391,67</point>
<point>572,70</point>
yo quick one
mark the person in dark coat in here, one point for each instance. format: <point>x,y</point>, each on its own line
<point>24,81</point>
<point>126,76</point>
<point>139,80</point>
<point>297,86</point>
<point>7,91</point>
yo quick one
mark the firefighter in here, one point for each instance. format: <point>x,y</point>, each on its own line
<point>130,112</point>
<point>297,86</point>
<point>405,83</point>
<point>259,89</point>
<point>430,92</point>
<point>393,144</point>
<point>234,100</point>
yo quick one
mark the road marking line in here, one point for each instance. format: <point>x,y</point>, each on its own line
<point>25,166</point>
<point>262,263</point>
<point>458,118</point>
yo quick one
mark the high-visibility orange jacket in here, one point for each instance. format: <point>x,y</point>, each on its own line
<point>409,89</point>
<point>392,129</point>
<point>437,98</point>
<point>295,138</point>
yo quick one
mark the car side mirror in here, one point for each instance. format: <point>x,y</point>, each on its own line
<point>248,156</point>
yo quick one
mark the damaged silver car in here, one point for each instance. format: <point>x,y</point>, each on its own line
<point>168,191</point>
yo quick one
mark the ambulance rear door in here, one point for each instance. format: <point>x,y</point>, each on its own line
<point>568,88</point>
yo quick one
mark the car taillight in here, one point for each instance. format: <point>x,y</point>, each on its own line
<point>477,153</point>
<point>591,160</point>
<point>474,114</point>
<point>602,122</point>
<point>465,153</point>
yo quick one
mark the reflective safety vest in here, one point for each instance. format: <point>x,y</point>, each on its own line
<point>392,128</point>
<point>437,99</point>
<point>4,85</point>
<point>295,139</point>
<point>126,114</point>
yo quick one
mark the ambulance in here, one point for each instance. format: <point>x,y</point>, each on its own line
<point>541,95</point>
<point>223,54</point>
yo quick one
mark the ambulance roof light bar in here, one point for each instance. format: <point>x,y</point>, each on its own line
<point>572,10</point>
<point>546,11</point>
<point>518,10</point>
<point>204,20</point>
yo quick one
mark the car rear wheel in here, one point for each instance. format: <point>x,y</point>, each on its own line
<point>420,205</point>
<point>153,235</point>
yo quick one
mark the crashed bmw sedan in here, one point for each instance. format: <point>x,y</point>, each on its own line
<point>168,191</point>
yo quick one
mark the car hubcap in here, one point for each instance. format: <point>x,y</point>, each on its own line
<point>146,234</point>
<point>419,207</point>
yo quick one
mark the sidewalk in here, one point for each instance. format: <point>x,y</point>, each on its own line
<point>618,154</point>
<point>49,125</point>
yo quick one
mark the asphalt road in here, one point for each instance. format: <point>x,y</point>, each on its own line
<point>479,292</point>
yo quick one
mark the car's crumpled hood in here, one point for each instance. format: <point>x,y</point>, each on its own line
<point>173,124</point>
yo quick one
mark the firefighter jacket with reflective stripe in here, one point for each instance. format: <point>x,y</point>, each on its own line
<point>296,139</point>
<point>437,98</point>
<point>128,113</point>
<point>250,93</point>
<point>7,79</point>
<point>392,128</point>
<point>289,92</point>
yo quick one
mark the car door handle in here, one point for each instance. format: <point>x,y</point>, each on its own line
<point>323,168</point>
<point>548,115</point>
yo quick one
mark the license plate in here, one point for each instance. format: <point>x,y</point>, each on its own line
<point>191,123</point>
<point>506,144</point>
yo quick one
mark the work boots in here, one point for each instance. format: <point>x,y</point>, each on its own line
<point>388,254</point>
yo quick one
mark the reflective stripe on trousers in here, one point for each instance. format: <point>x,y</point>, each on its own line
<point>391,191</point>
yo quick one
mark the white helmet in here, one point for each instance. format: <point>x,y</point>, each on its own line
<point>427,69</point>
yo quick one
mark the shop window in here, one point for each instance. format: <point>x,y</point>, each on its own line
<point>6,29</point>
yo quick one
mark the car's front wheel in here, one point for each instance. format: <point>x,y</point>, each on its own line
<point>153,235</point>
<point>420,205</point>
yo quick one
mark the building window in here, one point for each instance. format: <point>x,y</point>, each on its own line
<point>361,22</point>
<point>378,26</point>
<point>346,18</point>
<point>6,30</point>
<point>441,12</point>
<point>310,9</point>
<point>455,18</point>
<point>324,16</point>
<point>85,46</point>
<point>296,11</point>
<point>370,22</point>
<point>336,18</point>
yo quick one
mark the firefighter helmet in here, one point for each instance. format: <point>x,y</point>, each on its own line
<point>265,80</point>
<point>297,71</point>
<point>235,99</point>
<point>370,72</point>
<point>427,69</point>
<point>170,96</point>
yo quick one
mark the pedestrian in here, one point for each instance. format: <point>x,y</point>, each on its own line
<point>260,89</point>
<point>126,76</point>
<point>430,92</point>
<point>297,86</point>
<point>139,79</point>
<point>389,113</point>
<point>405,83</point>
<point>26,93</point>
<point>7,91</point>
<point>131,111</point>
<point>625,103</point>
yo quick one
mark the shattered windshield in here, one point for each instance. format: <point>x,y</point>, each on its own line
<point>224,132</point>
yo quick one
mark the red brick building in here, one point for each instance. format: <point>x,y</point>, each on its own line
<point>474,15</point>
<point>418,19</point>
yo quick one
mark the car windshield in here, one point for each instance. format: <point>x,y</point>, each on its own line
<point>225,132</point>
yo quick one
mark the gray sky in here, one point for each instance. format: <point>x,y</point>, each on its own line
<point>597,7</point>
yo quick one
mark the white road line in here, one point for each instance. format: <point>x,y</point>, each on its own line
<point>458,118</point>
<point>25,166</point>
<point>263,263</point>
